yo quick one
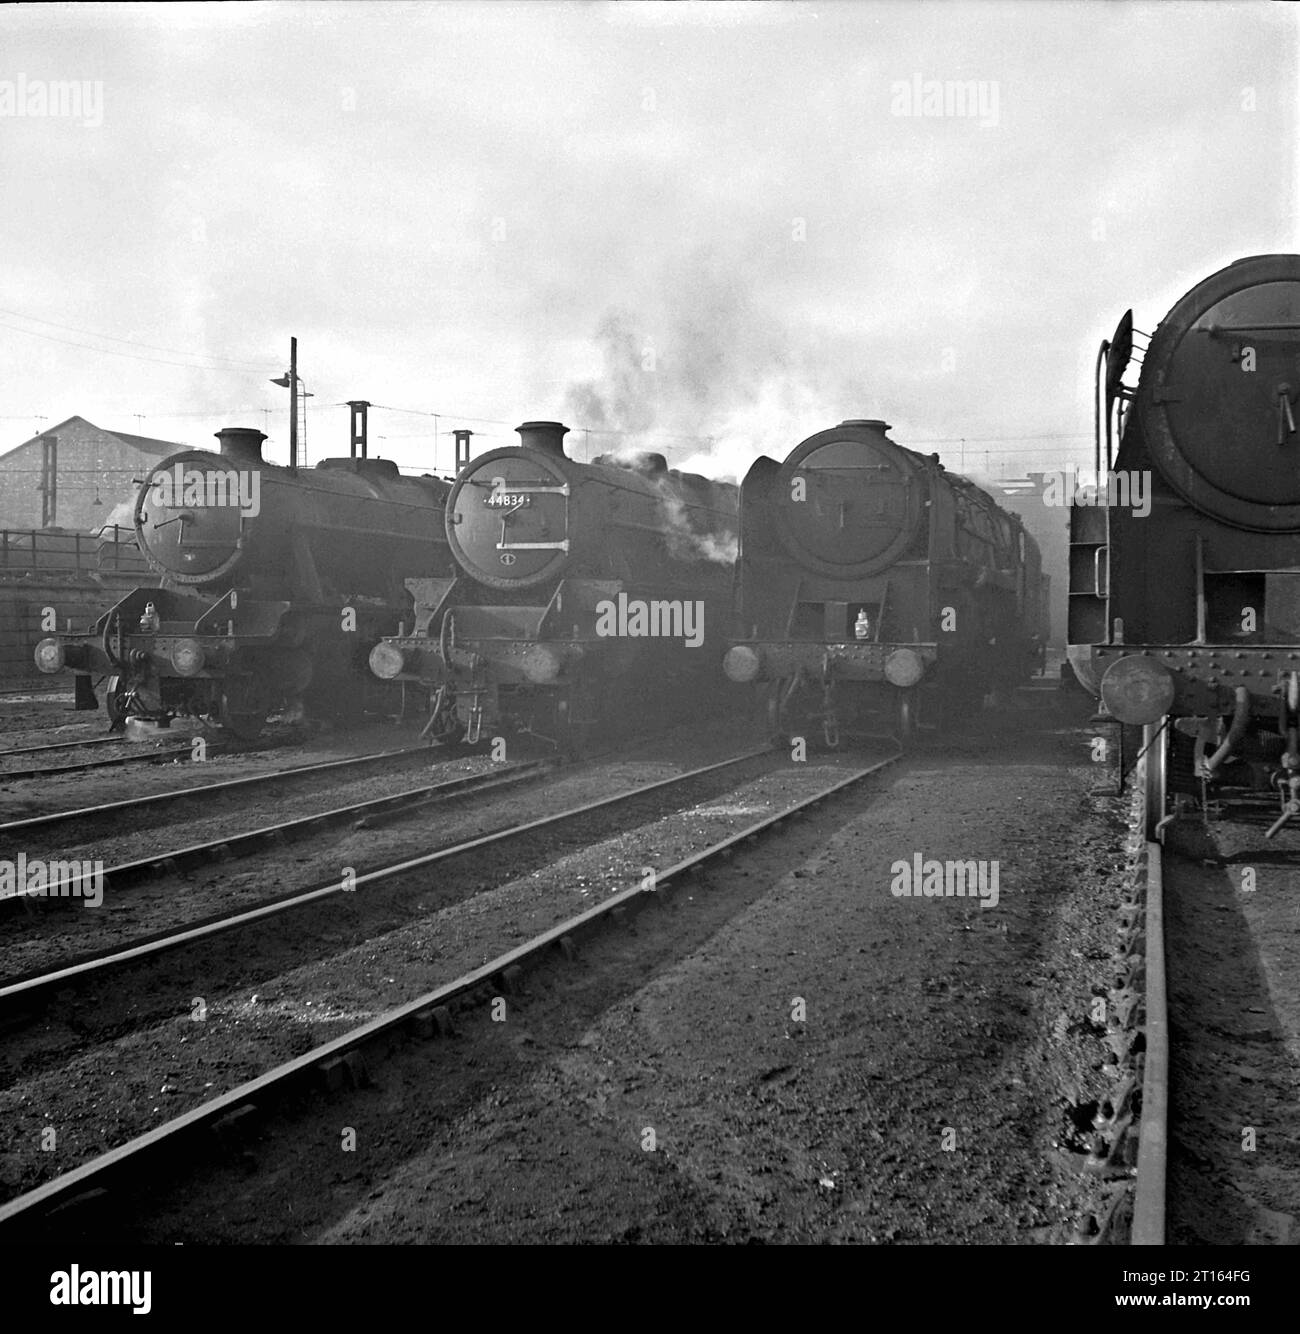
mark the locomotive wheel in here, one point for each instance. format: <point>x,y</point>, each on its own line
<point>245,726</point>
<point>577,715</point>
<point>928,711</point>
<point>447,731</point>
<point>117,704</point>
<point>1155,774</point>
<point>241,713</point>
<point>907,712</point>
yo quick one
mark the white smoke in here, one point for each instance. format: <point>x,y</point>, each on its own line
<point>701,373</point>
<point>685,542</point>
<point>122,514</point>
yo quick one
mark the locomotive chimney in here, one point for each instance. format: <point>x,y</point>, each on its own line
<point>241,444</point>
<point>873,423</point>
<point>545,436</point>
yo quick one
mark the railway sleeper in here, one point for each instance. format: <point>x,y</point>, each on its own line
<point>230,1130</point>
<point>1117,1107</point>
<point>1129,972</point>
<point>1127,1044</point>
<point>347,1070</point>
<point>1093,1231</point>
<point>1126,1008</point>
<point>1114,1151</point>
<point>435,1022</point>
<point>510,980</point>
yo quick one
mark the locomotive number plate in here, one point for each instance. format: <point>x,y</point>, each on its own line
<point>507,499</point>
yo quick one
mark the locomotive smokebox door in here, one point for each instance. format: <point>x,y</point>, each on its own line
<point>508,518</point>
<point>1219,393</point>
<point>829,520</point>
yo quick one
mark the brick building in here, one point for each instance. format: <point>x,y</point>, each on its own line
<point>95,469</point>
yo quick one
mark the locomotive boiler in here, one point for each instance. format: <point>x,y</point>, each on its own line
<point>1185,614</point>
<point>870,580</point>
<point>583,594</point>
<point>275,584</point>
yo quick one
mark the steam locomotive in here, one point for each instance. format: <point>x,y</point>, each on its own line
<point>1187,611</point>
<point>584,594</point>
<point>275,584</point>
<point>874,587</point>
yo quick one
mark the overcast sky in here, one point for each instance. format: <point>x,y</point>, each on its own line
<point>690,222</point>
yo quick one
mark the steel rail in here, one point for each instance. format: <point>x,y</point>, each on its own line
<point>64,745</point>
<point>28,988</point>
<point>90,1175</point>
<point>55,770</point>
<point>374,811</point>
<point>1153,1137</point>
<point>205,789</point>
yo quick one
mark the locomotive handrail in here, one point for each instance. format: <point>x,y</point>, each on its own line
<point>527,488</point>
<point>1229,330</point>
<point>231,597</point>
<point>1096,410</point>
<point>850,467</point>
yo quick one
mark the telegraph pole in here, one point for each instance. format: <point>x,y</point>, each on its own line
<point>290,382</point>
<point>293,406</point>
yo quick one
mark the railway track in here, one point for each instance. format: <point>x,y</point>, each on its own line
<point>82,743</point>
<point>29,989</point>
<point>169,755</point>
<point>1153,1144</point>
<point>1218,934</point>
<point>1138,1033</point>
<point>133,753</point>
<point>129,805</point>
<point>369,813</point>
<point>429,1013</point>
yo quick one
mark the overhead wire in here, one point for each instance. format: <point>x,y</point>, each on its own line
<point>132,356</point>
<point>130,342</point>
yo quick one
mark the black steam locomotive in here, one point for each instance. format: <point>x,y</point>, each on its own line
<point>1188,608</point>
<point>585,594</point>
<point>874,587</point>
<point>275,585</point>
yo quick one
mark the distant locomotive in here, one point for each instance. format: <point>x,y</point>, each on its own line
<point>275,585</point>
<point>585,594</point>
<point>870,580</point>
<point>1188,609</point>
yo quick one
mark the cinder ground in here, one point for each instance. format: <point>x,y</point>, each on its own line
<point>789,1052</point>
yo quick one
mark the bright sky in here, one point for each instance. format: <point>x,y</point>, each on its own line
<point>694,222</point>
